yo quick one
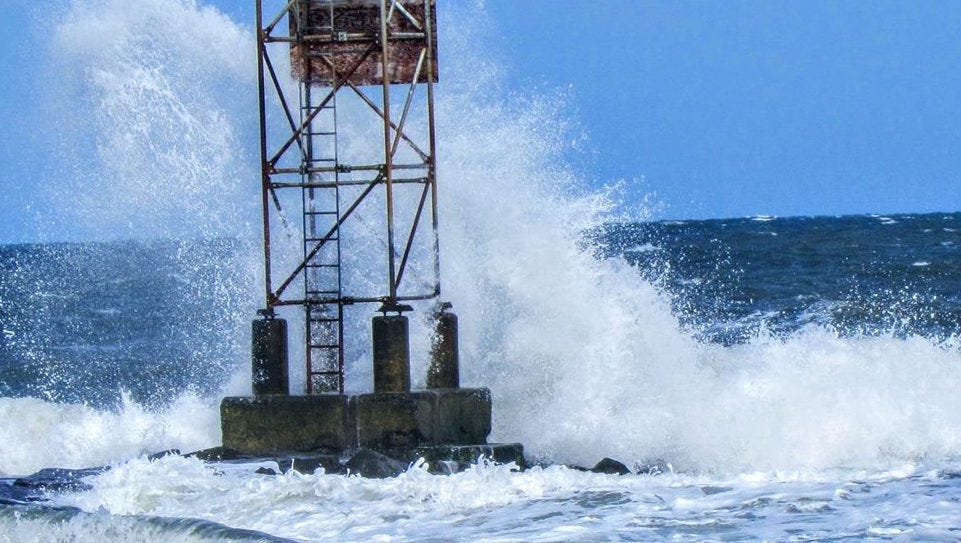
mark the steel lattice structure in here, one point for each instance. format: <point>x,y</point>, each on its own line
<point>339,47</point>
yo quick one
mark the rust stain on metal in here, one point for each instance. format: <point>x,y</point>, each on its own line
<point>357,24</point>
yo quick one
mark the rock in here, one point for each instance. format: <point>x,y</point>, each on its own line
<point>446,459</point>
<point>308,463</point>
<point>654,467</point>
<point>161,454</point>
<point>58,479</point>
<point>304,462</point>
<point>610,466</point>
<point>368,463</point>
<point>215,454</point>
<point>11,494</point>
<point>265,471</point>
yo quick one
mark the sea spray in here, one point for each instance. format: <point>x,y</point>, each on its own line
<point>85,321</point>
<point>153,105</point>
<point>585,358</point>
<point>147,107</point>
<point>37,434</point>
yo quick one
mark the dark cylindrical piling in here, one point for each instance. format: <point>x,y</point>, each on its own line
<point>444,370</point>
<point>391,354</point>
<point>269,356</point>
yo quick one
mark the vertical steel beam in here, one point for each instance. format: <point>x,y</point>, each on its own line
<point>432,150</point>
<point>388,157</point>
<point>264,171</point>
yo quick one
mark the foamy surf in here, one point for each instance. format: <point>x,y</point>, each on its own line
<point>36,434</point>
<point>498,503</point>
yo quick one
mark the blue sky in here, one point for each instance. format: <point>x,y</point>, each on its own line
<point>721,108</point>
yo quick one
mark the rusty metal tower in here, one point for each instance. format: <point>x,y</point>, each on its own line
<point>379,53</point>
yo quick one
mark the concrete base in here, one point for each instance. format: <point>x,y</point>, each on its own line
<point>273,424</point>
<point>395,423</point>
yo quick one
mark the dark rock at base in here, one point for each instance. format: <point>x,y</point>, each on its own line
<point>58,479</point>
<point>309,463</point>
<point>611,467</point>
<point>303,462</point>
<point>441,459</point>
<point>161,454</point>
<point>265,471</point>
<point>368,463</point>
<point>655,467</point>
<point>447,459</point>
<point>11,494</point>
<point>215,454</point>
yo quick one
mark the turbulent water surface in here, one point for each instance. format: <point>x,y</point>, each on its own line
<point>792,378</point>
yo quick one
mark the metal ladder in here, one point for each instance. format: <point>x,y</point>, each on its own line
<point>323,282</point>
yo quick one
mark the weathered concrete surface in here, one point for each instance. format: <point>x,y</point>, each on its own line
<point>463,416</point>
<point>444,369</point>
<point>391,338</point>
<point>269,356</point>
<point>270,424</point>
<point>394,422</point>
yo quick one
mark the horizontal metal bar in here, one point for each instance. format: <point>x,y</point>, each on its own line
<point>327,39</point>
<point>347,168</point>
<point>349,300</point>
<point>330,185</point>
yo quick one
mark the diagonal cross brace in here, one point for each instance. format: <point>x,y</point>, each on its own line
<point>275,296</point>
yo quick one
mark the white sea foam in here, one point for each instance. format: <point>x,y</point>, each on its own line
<point>498,503</point>
<point>36,434</point>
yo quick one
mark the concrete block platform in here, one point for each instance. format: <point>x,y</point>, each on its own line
<point>272,424</point>
<point>436,424</point>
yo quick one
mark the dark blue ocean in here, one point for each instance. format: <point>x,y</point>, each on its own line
<point>82,322</point>
<point>731,278</point>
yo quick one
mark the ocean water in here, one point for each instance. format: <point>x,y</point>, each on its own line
<point>793,379</point>
<point>818,405</point>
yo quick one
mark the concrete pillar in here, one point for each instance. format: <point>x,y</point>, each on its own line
<point>391,354</point>
<point>444,370</point>
<point>269,356</point>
